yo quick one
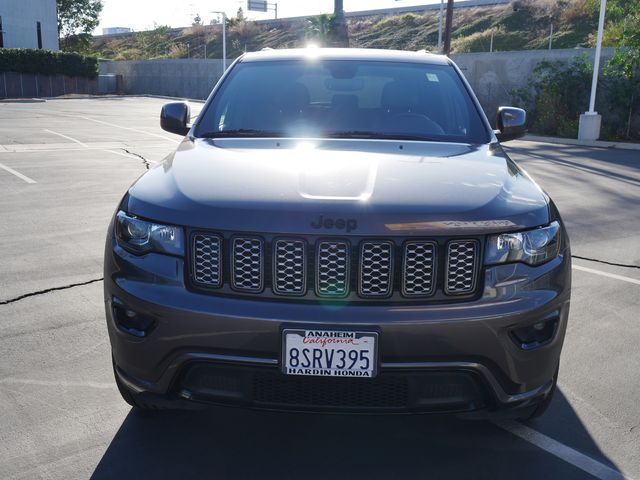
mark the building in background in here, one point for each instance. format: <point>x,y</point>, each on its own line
<point>116,30</point>
<point>28,24</point>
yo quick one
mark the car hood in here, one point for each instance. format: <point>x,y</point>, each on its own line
<point>368,187</point>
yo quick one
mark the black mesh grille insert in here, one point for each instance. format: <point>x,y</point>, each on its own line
<point>207,260</point>
<point>376,276</point>
<point>419,269</point>
<point>332,269</point>
<point>247,264</point>
<point>462,260</point>
<point>277,389</point>
<point>290,267</point>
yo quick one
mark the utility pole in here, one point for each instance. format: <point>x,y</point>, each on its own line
<point>340,34</point>
<point>448,27</point>
<point>491,43</point>
<point>550,36</point>
<point>440,27</point>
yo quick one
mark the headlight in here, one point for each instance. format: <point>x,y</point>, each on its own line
<point>533,246</point>
<point>140,236</point>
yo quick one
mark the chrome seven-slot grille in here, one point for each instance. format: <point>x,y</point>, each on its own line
<point>329,267</point>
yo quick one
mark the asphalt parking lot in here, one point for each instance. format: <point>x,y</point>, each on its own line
<point>65,164</point>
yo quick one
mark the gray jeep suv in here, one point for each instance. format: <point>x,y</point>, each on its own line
<point>339,230</point>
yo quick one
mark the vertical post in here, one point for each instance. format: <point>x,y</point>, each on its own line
<point>590,122</point>
<point>550,36</point>
<point>21,87</point>
<point>491,43</point>
<point>440,27</point>
<point>448,27</point>
<point>224,42</point>
<point>276,9</point>
<point>596,61</point>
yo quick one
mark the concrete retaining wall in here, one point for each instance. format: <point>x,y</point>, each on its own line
<point>492,75</point>
<point>188,78</point>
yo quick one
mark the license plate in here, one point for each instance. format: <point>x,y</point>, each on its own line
<point>329,353</point>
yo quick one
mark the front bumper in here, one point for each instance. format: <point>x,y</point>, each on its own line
<point>469,343</point>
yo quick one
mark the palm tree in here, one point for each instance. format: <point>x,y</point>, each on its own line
<point>320,28</point>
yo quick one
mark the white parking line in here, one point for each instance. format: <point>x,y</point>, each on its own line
<point>51,383</point>
<point>562,451</point>
<point>17,174</point>
<point>606,274</point>
<point>129,128</point>
<point>68,138</point>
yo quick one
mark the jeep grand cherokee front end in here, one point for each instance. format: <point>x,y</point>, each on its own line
<point>339,230</point>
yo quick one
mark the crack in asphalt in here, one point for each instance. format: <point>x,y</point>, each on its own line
<point>47,290</point>
<point>145,162</point>
<point>80,284</point>
<point>625,265</point>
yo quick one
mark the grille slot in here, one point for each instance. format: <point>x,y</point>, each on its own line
<point>419,269</point>
<point>247,264</point>
<point>207,260</point>
<point>462,262</point>
<point>376,269</point>
<point>332,269</point>
<point>290,267</point>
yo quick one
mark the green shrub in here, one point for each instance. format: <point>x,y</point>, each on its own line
<point>558,93</point>
<point>47,62</point>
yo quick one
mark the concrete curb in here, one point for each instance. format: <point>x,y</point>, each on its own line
<point>22,100</point>
<point>582,143</point>
<point>82,96</point>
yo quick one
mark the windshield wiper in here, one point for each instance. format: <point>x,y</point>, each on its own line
<point>380,135</point>
<point>241,133</point>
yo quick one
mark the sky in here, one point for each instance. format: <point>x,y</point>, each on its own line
<point>143,14</point>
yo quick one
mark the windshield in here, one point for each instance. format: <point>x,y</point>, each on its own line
<point>343,99</point>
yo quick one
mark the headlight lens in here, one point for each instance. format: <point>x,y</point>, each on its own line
<point>533,246</point>
<point>140,236</point>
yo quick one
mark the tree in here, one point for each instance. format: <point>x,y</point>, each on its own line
<point>197,20</point>
<point>78,16</point>
<point>623,32</point>
<point>76,20</point>
<point>320,28</point>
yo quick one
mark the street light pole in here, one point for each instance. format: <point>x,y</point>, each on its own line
<point>589,124</point>
<point>596,61</point>
<point>224,39</point>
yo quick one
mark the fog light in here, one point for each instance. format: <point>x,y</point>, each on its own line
<point>130,321</point>
<point>536,335</point>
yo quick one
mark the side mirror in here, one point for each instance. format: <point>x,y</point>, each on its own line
<point>175,118</point>
<point>511,123</point>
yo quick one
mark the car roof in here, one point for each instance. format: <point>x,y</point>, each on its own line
<point>345,54</point>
